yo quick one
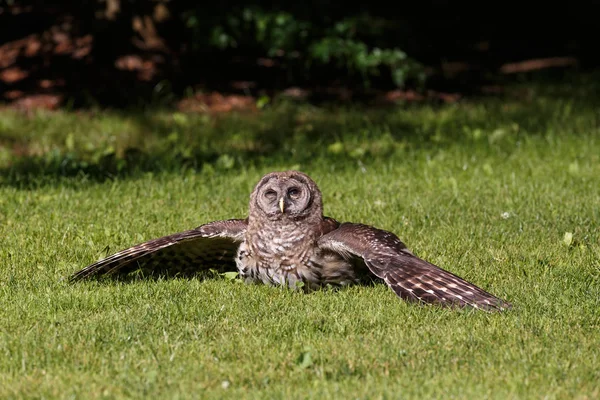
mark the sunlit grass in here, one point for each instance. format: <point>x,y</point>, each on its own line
<point>485,189</point>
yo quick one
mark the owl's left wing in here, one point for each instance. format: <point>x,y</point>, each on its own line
<point>212,245</point>
<point>410,277</point>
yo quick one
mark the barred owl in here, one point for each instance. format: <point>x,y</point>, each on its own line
<point>286,240</point>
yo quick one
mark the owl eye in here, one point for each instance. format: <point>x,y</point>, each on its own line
<point>270,194</point>
<point>293,192</point>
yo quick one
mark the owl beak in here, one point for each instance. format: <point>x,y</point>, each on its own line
<point>281,205</point>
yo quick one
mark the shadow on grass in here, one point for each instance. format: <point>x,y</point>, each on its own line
<point>46,149</point>
<point>143,142</point>
<point>230,273</point>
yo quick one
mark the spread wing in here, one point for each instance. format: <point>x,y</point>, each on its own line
<point>410,277</point>
<point>211,245</point>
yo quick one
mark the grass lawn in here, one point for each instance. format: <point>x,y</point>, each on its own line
<point>504,192</point>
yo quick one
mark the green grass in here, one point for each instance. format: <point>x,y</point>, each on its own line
<point>486,189</point>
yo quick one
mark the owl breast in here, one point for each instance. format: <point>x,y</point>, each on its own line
<point>291,259</point>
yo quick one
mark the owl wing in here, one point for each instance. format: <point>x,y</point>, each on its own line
<point>212,245</point>
<point>410,277</point>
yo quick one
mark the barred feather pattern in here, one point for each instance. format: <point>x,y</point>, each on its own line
<point>289,256</point>
<point>410,277</point>
<point>209,246</point>
<point>257,262</point>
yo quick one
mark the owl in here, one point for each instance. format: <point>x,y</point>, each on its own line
<point>286,240</point>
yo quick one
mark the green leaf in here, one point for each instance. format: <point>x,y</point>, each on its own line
<point>263,101</point>
<point>305,359</point>
<point>568,238</point>
<point>70,142</point>
<point>230,275</point>
<point>335,148</point>
<point>574,168</point>
<point>487,168</point>
<point>225,161</point>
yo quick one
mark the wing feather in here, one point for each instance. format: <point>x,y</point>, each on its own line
<point>410,277</point>
<point>211,245</point>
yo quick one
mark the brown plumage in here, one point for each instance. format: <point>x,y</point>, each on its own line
<point>286,240</point>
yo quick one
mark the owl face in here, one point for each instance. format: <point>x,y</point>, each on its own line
<point>291,195</point>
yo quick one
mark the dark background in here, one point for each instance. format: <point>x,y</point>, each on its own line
<point>131,53</point>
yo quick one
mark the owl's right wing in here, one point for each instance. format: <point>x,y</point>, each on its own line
<point>410,277</point>
<point>212,245</point>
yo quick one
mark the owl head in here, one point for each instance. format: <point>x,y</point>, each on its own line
<point>286,195</point>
